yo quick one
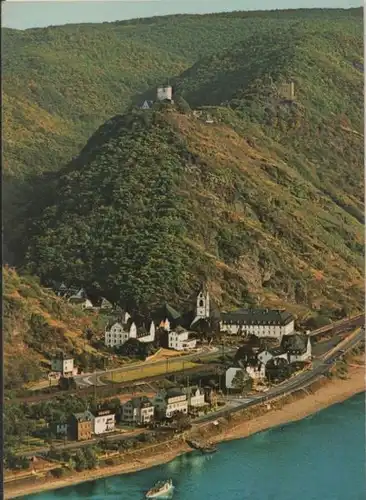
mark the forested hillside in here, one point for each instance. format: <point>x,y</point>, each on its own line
<point>60,83</point>
<point>37,324</point>
<point>265,203</point>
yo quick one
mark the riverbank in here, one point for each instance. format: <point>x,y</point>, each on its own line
<point>329,392</point>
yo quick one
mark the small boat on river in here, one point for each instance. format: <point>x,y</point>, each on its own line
<point>209,448</point>
<point>162,489</point>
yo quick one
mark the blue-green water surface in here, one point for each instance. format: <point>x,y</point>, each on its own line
<point>319,458</point>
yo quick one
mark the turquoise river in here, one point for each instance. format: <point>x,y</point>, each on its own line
<point>319,458</point>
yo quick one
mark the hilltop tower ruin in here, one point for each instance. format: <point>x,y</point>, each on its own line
<point>287,91</point>
<point>164,93</point>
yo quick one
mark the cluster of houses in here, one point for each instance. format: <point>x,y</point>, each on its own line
<point>181,330</point>
<point>255,359</point>
<point>79,297</point>
<point>85,425</point>
<point>137,411</point>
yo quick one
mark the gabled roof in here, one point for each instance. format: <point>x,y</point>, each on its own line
<point>103,412</point>
<point>275,351</point>
<point>167,311</point>
<point>80,294</point>
<point>102,302</point>
<point>174,392</point>
<point>63,356</point>
<point>192,389</point>
<point>142,332</point>
<point>296,343</point>
<point>137,402</point>
<point>257,317</point>
<point>82,416</point>
<point>120,319</point>
<point>276,362</point>
<point>179,329</point>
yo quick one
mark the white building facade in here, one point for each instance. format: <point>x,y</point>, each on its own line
<point>196,397</point>
<point>179,340</point>
<point>300,350</point>
<point>64,365</point>
<point>151,334</point>
<point>265,355</point>
<point>260,322</point>
<point>118,333</point>
<point>171,402</point>
<point>103,421</point>
<point>257,372</point>
<point>138,411</point>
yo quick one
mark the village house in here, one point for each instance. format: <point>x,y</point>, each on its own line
<point>117,332</point>
<point>60,429</point>
<point>171,401</point>
<point>80,426</point>
<point>102,304</point>
<point>297,346</point>
<point>195,397</point>
<point>103,421</point>
<point>147,104</point>
<point>63,364</point>
<point>256,372</point>
<point>210,395</point>
<point>138,411</point>
<point>80,299</point>
<point>266,354</point>
<point>167,317</point>
<point>270,323</point>
<point>144,335</point>
<point>65,291</point>
<point>179,340</point>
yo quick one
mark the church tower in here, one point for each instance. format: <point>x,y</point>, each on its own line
<point>203,304</point>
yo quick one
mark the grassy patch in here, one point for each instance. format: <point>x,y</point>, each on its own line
<point>148,371</point>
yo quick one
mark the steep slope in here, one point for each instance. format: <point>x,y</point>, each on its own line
<point>36,324</point>
<point>60,83</point>
<point>321,132</point>
<point>265,202</point>
<point>158,200</point>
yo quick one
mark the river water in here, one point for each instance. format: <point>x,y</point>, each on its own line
<point>321,457</point>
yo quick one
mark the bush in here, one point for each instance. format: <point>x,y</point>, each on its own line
<point>110,461</point>
<point>59,472</point>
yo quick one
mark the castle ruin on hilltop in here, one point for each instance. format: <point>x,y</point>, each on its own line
<point>164,93</point>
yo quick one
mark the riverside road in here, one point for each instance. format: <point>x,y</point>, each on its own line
<point>91,379</point>
<point>318,368</point>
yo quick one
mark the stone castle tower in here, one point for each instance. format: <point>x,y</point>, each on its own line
<point>164,93</point>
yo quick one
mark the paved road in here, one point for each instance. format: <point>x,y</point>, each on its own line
<point>299,381</point>
<point>91,379</point>
<point>81,444</point>
<point>94,379</point>
<point>338,326</point>
<point>319,367</point>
